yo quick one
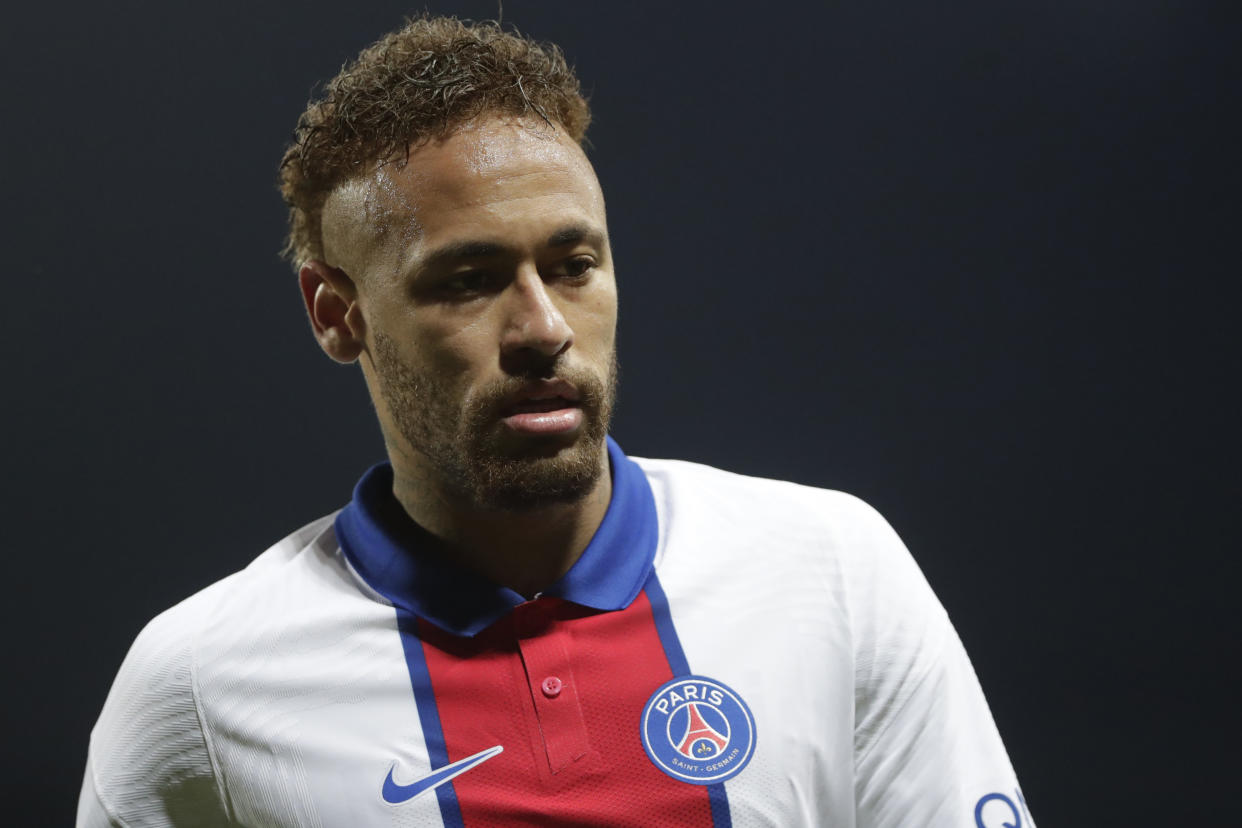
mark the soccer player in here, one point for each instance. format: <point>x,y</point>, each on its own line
<point>511,622</point>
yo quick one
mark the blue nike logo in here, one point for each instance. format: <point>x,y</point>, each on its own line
<point>395,794</point>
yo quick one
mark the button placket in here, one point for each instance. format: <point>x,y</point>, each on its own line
<point>544,645</point>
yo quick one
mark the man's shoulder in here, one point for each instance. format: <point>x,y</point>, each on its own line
<point>153,718</point>
<point>684,484</point>
<point>181,624</point>
<point>290,547</point>
<point>757,527</point>
<point>722,481</point>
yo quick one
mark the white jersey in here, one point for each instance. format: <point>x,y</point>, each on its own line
<point>727,651</point>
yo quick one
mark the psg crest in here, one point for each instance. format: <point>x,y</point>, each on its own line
<point>698,730</point>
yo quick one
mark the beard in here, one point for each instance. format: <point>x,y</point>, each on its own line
<point>467,444</point>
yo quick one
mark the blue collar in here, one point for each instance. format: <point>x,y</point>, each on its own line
<point>384,546</point>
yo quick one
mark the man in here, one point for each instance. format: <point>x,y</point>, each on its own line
<point>511,622</point>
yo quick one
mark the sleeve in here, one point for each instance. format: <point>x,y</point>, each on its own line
<point>926,750</point>
<point>149,762</point>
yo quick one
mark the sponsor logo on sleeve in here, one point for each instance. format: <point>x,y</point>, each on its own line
<point>698,730</point>
<point>996,810</point>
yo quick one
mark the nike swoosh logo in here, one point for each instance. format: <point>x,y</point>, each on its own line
<point>395,794</point>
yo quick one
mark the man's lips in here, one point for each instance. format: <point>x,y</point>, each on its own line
<point>550,404</point>
<point>545,395</point>
<point>549,407</point>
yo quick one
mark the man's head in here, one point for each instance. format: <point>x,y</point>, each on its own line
<point>450,234</point>
<point>420,82</point>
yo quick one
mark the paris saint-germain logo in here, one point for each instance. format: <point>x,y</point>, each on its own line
<point>698,730</point>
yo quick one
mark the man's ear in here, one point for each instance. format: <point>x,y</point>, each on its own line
<point>331,299</point>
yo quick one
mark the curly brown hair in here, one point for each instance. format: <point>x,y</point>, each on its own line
<point>423,81</point>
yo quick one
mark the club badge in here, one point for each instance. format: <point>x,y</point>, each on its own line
<point>698,730</point>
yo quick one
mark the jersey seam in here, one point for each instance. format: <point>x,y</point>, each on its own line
<point>203,728</point>
<point>97,790</point>
<point>896,714</point>
<point>846,602</point>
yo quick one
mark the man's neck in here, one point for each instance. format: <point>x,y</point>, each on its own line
<point>526,550</point>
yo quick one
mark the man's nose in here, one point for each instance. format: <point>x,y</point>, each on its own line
<point>535,326</point>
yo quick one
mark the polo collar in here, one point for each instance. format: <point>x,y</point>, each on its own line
<point>388,550</point>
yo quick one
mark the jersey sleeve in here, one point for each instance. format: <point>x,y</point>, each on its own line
<point>926,749</point>
<point>149,763</point>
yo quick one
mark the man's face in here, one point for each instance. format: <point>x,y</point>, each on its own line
<point>485,280</point>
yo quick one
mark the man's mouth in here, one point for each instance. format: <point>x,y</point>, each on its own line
<point>532,406</point>
<point>547,408</point>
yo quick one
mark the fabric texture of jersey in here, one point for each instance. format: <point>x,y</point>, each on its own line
<point>727,651</point>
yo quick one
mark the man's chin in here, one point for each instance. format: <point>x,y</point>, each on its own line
<point>534,447</point>
<point>536,473</point>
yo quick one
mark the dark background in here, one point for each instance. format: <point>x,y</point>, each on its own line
<point>974,262</point>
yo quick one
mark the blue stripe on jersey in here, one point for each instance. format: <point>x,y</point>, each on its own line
<point>664,626</point>
<point>716,795</point>
<point>428,714</point>
<point>719,799</point>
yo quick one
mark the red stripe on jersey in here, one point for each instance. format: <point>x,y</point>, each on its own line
<point>562,688</point>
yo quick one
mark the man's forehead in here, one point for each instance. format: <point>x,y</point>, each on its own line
<point>490,152</point>
<point>385,205</point>
<point>488,146</point>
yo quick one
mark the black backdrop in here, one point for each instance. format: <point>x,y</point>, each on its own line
<point>974,262</point>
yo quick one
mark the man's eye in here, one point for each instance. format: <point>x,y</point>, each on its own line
<point>471,281</point>
<point>578,267</point>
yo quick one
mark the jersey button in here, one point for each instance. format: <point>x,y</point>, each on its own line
<point>552,687</point>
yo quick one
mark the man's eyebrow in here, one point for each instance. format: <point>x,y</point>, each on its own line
<point>574,234</point>
<point>461,250</point>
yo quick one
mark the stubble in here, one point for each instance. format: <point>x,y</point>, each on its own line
<point>464,440</point>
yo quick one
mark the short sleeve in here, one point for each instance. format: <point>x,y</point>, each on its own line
<point>149,763</point>
<point>926,749</point>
